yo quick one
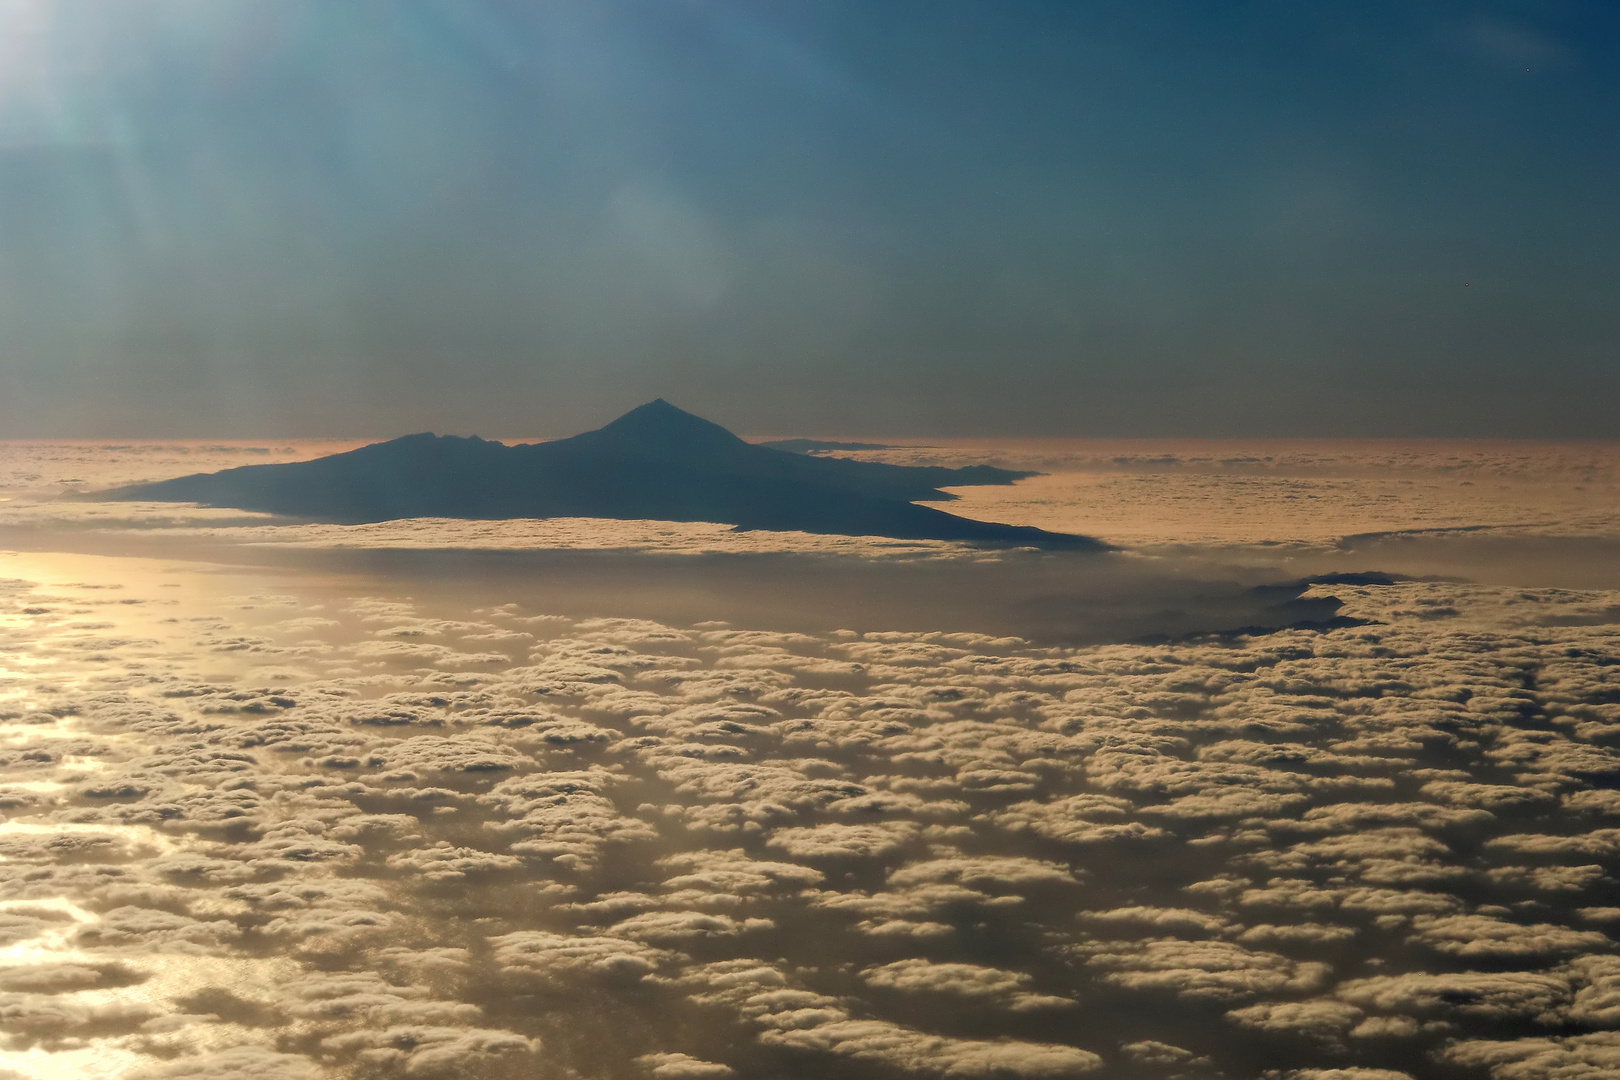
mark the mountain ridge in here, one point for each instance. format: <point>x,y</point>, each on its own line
<point>656,461</point>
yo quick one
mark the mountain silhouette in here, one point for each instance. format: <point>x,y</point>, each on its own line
<point>655,461</point>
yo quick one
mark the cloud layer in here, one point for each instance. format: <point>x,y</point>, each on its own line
<point>301,833</point>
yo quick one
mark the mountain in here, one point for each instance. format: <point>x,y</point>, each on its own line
<point>655,461</point>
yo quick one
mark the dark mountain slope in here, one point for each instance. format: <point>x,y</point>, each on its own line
<point>654,462</point>
<point>659,431</point>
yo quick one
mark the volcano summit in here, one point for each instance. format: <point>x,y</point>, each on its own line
<point>654,462</point>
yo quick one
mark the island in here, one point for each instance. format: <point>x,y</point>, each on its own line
<point>654,462</point>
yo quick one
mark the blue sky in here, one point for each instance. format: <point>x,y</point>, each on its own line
<point>256,217</point>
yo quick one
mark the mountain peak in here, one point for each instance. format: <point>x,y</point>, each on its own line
<point>658,408</point>
<point>661,428</point>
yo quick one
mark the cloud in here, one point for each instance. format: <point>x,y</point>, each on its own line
<point>1296,933</point>
<point>1321,1018</point>
<point>809,1022</point>
<point>1494,797</point>
<point>672,1066</point>
<point>157,930</point>
<point>912,1051</point>
<point>969,981</point>
<point>730,875</point>
<point>247,1062</point>
<point>1598,843</point>
<point>444,861</point>
<point>1472,936</point>
<point>426,1050</point>
<point>910,852</point>
<point>1593,1055</point>
<point>1199,970</point>
<point>1155,920</point>
<point>566,817</point>
<point>1506,996</point>
<point>1597,997</point>
<point>1155,1054</point>
<point>1078,819</point>
<point>845,841</point>
<point>56,978</point>
<point>982,871</point>
<point>684,926</point>
<point>554,958</point>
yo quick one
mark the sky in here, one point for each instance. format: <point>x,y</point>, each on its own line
<point>244,218</point>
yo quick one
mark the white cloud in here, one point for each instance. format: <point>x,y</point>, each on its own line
<point>897,850</point>
<point>1575,1058</point>
<point>1200,970</point>
<point>969,981</point>
<point>674,1066</point>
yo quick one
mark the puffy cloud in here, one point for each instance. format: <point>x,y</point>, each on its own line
<point>969,981</point>
<point>1602,915</point>
<point>913,1051</point>
<point>245,1062</point>
<point>1487,796</point>
<point>157,930</point>
<point>732,870</point>
<point>556,957</point>
<point>1599,843</point>
<point>56,978</point>
<point>31,1017</point>
<point>1597,997</point>
<point>1159,920</point>
<point>1600,801</point>
<point>904,928</point>
<point>1078,819</point>
<point>1231,803</point>
<point>682,1067</point>
<point>731,797</point>
<point>1506,995</point>
<point>1482,936</point>
<point>1346,817</point>
<point>566,817</point>
<point>1551,879</point>
<point>444,861</point>
<point>428,1050</point>
<point>834,841</point>
<point>427,755</point>
<point>1398,901</point>
<point>681,926</point>
<point>1200,970</point>
<point>1578,1057</point>
<point>1290,893</point>
<point>981,871</point>
<point>441,960</point>
<point>300,840</point>
<point>1393,1027</point>
<point>806,1021</point>
<point>1152,1053</point>
<point>365,995</point>
<point>915,902</point>
<point>329,908</point>
<point>1296,933</point>
<point>1319,1018</point>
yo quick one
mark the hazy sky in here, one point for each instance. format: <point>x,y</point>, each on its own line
<point>246,217</point>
